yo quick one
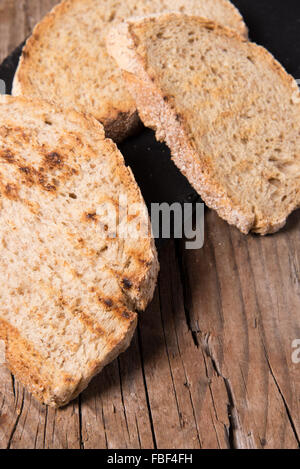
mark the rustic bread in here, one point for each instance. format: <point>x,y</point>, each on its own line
<point>69,290</point>
<point>65,59</point>
<point>228,111</point>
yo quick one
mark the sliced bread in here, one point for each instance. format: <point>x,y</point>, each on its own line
<point>65,60</point>
<point>69,286</point>
<point>226,108</point>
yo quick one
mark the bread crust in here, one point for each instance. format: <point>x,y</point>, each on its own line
<point>157,112</point>
<point>118,123</point>
<point>124,125</point>
<point>241,28</point>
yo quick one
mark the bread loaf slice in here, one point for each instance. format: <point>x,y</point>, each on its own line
<point>70,282</point>
<point>65,60</point>
<point>226,108</point>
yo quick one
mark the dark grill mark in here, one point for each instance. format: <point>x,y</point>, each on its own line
<point>89,322</point>
<point>11,191</point>
<point>53,159</point>
<point>7,155</point>
<point>25,169</point>
<point>91,216</point>
<point>126,283</point>
<point>48,187</point>
<point>126,315</point>
<point>108,303</point>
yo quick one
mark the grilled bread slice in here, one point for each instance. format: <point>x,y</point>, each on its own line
<point>65,59</point>
<point>70,281</point>
<point>226,108</point>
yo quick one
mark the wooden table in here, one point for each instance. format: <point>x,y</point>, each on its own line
<point>211,363</point>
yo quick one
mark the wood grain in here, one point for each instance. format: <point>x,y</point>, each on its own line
<point>211,363</point>
<point>244,308</point>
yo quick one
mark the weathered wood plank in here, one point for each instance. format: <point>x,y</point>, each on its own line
<point>244,306</point>
<point>114,409</point>
<point>168,388</point>
<point>17,19</point>
<point>178,382</point>
<point>24,423</point>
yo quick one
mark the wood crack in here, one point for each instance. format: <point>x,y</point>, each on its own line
<point>81,442</point>
<point>189,391</point>
<point>233,430</point>
<point>104,426</point>
<point>184,283</point>
<point>45,427</point>
<point>16,421</point>
<point>145,386</point>
<point>170,367</point>
<point>122,398</point>
<point>138,432</point>
<point>205,356</point>
<point>288,412</point>
<point>13,385</point>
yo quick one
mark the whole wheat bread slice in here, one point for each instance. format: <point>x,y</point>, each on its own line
<point>69,287</point>
<point>65,59</point>
<point>226,108</point>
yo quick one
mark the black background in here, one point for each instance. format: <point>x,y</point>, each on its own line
<point>275,24</point>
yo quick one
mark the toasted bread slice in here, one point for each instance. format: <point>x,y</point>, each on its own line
<point>71,280</point>
<point>65,59</point>
<point>226,108</point>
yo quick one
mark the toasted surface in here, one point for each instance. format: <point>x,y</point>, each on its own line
<point>69,289</point>
<point>226,108</point>
<point>65,60</point>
